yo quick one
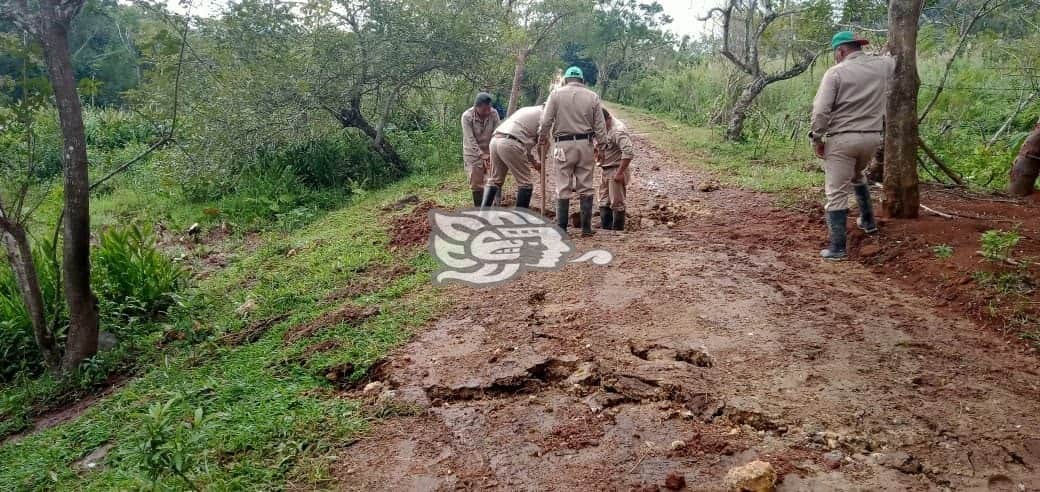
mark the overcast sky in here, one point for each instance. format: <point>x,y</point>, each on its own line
<point>685,13</point>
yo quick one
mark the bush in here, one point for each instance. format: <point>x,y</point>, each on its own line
<point>132,280</point>
<point>109,129</point>
<point>131,277</point>
<point>327,162</point>
<point>18,350</point>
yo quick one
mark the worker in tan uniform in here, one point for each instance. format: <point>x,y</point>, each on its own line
<point>573,122</point>
<point>478,124</point>
<point>614,157</point>
<point>847,125</point>
<point>511,152</point>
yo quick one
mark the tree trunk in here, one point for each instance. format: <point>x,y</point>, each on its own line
<point>602,79</point>
<point>351,117</point>
<point>901,184</point>
<point>1027,165</point>
<point>82,341</point>
<point>735,132</point>
<point>518,77</point>
<point>19,255</point>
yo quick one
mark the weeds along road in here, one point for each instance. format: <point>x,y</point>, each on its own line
<point>716,337</point>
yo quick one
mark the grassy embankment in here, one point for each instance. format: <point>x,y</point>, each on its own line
<point>269,413</point>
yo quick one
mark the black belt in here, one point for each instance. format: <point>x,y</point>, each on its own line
<point>568,138</point>
<point>854,131</point>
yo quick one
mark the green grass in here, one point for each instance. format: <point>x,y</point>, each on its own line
<point>775,167</point>
<point>273,419</point>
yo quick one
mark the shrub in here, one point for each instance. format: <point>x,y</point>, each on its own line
<point>997,244</point>
<point>942,251</point>
<point>131,277</point>
<point>18,350</point>
<point>327,162</point>
<point>109,129</point>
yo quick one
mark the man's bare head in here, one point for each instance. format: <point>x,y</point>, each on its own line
<point>609,120</point>
<point>845,50</point>
<point>482,104</point>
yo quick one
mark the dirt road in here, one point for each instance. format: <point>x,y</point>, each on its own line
<point>706,344</point>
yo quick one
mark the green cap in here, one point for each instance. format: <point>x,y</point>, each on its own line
<point>845,37</point>
<point>574,73</point>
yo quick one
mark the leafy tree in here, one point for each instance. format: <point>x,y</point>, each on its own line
<point>624,36</point>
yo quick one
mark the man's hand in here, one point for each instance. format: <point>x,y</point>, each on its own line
<point>619,178</point>
<point>818,149</point>
<point>535,164</point>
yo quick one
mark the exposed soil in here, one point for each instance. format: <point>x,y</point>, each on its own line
<point>907,247</point>
<point>348,313</point>
<point>716,337</point>
<point>411,228</point>
<point>54,413</point>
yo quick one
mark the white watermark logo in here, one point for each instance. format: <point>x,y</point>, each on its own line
<point>484,247</point>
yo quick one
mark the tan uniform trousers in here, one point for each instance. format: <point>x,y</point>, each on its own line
<point>846,157</point>
<point>476,171</point>
<point>575,166</point>
<point>612,193</point>
<point>509,155</point>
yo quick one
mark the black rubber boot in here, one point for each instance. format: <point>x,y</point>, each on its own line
<point>866,209</point>
<point>619,220</point>
<point>586,216</point>
<point>563,209</point>
<point>523,197</point>
<point>490,192</point>
<point>836,227</point>
<point>606,218</point>
<point>478,197</point>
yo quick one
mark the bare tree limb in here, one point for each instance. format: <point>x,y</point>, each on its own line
<point>1007,123</point>
<point>939,162</point>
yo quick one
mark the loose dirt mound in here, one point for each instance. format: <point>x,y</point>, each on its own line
<point>412,228</point>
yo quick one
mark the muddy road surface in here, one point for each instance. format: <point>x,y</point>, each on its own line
<point>715,338</point>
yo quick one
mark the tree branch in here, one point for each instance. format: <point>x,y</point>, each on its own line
<point>982,11</point>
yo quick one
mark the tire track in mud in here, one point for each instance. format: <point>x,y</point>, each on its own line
<point>713,339</point>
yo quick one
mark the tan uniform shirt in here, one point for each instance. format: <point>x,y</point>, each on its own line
<point>572,110</point>
<point>852,96</point>
<point>476,133</point>
<point>618,145</point>
<point>523,124</point>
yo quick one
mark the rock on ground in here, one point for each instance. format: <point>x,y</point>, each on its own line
<point>757,476</point>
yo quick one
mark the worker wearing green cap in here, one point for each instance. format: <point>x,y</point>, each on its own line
<point>573,122</point>
<point>847,124</point>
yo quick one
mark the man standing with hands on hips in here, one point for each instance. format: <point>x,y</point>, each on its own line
<point>847,125</point>
<point>574,117</point>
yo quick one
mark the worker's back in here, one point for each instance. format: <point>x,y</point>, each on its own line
<point>575,108</point>
<point>862,89</point>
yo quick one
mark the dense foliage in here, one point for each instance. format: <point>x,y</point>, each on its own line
<point>987,106</point>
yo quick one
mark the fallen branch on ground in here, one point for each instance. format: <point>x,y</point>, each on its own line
<point>952,215</point>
